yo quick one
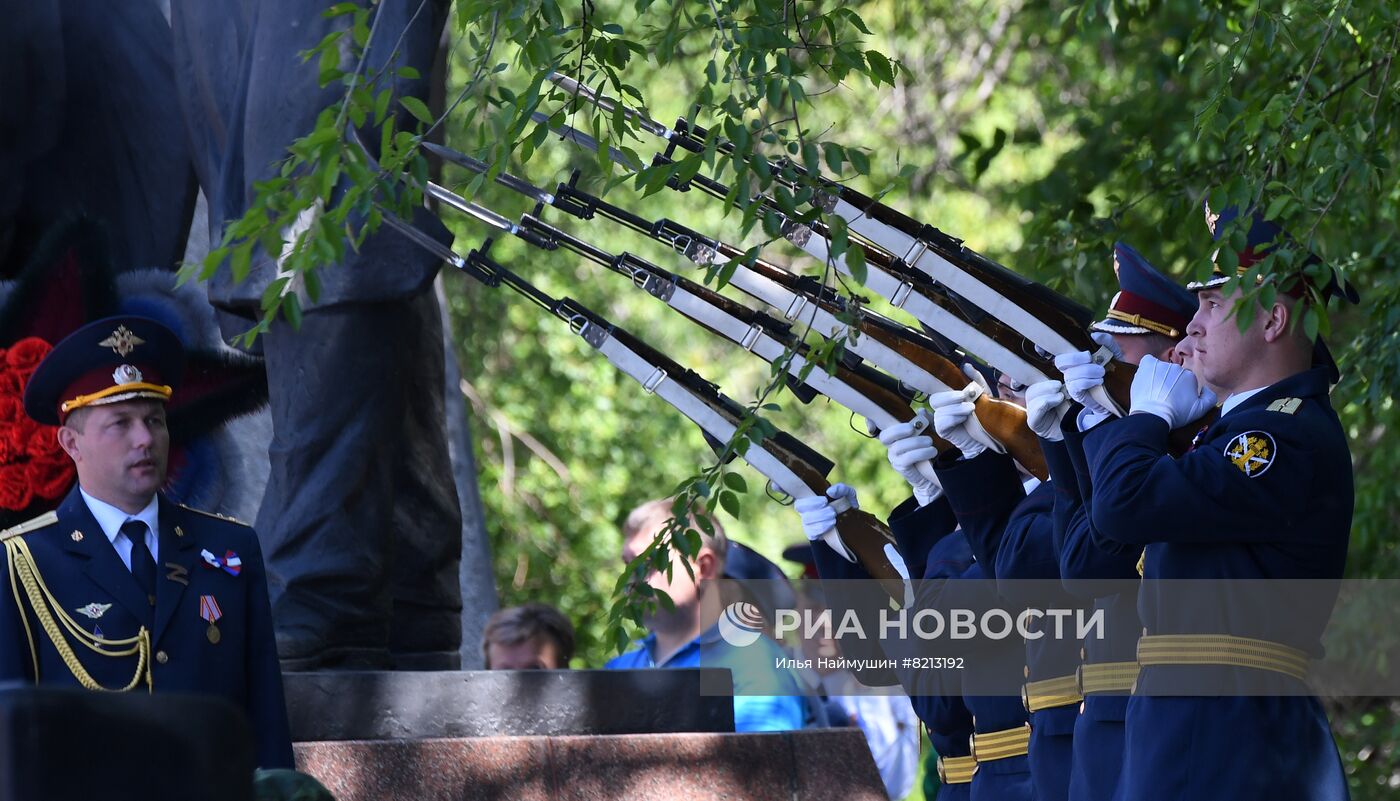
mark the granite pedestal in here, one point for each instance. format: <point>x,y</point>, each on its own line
<point>351,705</point>
<point>633,735</point>
<point>808,765</point>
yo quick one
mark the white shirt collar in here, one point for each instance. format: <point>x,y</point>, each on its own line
<point>1238,398</point>
<point>110,518</point>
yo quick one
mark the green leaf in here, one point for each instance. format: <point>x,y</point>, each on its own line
<point>241,263</point>
<point>880,67</point>
<point>859,161</point>
<point>1310,323</point>
<point>340,9</point>
<point>735,482</point>
<point>291,309</point>
<point>417,108</point>
<point>855,261</point>
<point>729,502</point>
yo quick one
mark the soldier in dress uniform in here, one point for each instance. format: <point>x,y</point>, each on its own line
<point>1265,493</point>
<point>121,588</point>
<point>979,490</point>
<point>1147,316</point>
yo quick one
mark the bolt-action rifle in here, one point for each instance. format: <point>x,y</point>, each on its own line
<point>791,467</point>
<point>918,361</point>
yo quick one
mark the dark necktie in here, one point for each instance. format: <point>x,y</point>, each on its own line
<point>143,565</point>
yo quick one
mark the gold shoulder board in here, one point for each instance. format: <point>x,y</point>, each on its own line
<point>1286,405</point>
<point>214,515</point>
<point>45,519</point>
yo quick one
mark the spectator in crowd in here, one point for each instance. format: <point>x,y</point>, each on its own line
<point>766,698</point>
<point>532,636</point>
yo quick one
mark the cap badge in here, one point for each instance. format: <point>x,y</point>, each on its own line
<point>126,374</point>
<point>122,341</point>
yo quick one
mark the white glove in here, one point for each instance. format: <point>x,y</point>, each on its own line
<point>1106,340</point>
<point>819,516</point>
<point>951,411</point>
<point>1046,404</point>
<point>907,449</point>
<point>1169,391</point>
<point>977,378</point>
<point>1084,378</point>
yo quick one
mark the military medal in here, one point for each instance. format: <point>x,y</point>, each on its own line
<point>210,612</point>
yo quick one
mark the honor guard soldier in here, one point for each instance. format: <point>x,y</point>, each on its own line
<point>931,548</point>
<point>120,588</point>
<point>982,488</point>
<point>1148,316</point>
<point>1264,493</point>
<point>1001,510</point>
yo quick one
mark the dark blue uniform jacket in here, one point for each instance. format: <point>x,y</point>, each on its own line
<point>1266,493</point>
<point>82,570</point>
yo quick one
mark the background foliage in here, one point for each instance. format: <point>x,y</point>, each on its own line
<point>1038,131</point>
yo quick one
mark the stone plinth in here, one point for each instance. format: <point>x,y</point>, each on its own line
<point>401,705</point>
<point>811,765</point>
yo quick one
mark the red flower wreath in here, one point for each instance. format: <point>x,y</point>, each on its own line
<point>32,465</point>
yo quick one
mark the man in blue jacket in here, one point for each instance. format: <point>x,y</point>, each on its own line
<point>766,697</point>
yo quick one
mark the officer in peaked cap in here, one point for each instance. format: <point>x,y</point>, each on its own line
<point>1147,301</point>
<point>1265,492</point>
<point>1147,317</point>
<point>1261,238</point>
<point>120,588</point>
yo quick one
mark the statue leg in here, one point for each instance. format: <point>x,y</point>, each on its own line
<point>339,398</point>
<point>426,629</point>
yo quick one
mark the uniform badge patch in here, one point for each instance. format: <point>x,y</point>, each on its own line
<point>1252,452</point>
<point>94,610</point>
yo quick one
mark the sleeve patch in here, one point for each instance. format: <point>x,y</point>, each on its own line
<point>1286,405</point>
<point>1252,452</point>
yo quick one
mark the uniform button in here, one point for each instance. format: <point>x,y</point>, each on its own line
<point>162,657</point>
<point>1081,654</point>
<point>1026,671</point>
<point>151,599</point>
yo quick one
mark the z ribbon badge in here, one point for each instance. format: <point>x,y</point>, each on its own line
<point>1252,452</point>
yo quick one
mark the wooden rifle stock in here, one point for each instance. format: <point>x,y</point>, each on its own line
<point>1006,422</point>
<point>861,531</point>
<point>867,537</point>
